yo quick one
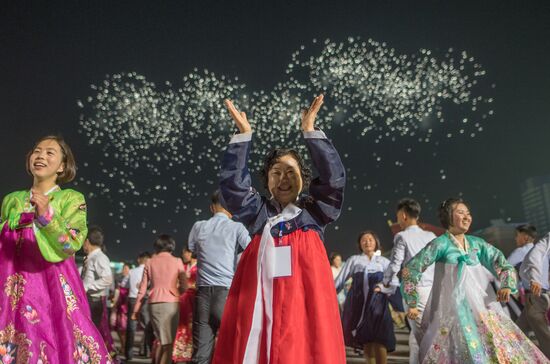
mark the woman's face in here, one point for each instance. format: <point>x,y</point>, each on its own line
<point>461,219</point>
<point>186,256</point>
<point>368,243</point>
<point>46,160</point>
<point>125,270</point>
<point>284,180</point>
<point>337,261</point>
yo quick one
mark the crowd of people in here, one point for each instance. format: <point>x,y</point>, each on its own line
<point>254,283</point>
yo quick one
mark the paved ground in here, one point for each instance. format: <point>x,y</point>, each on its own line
<point>399,356</point>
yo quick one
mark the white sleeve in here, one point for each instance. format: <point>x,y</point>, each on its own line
<point>396,260</point>
<point>531,268</point>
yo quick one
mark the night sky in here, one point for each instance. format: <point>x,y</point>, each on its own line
<point>51,52</point>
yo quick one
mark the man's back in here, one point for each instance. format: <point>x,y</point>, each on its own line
<point>215,243</point>
<point>406,244</point>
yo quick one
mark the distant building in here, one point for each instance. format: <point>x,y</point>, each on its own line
<point>535,197</point>
<point>500,234</point>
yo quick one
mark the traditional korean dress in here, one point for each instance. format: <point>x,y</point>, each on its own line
<point>462,321</point>
<point>183,344</point>
<point>281,306</point>
<point>366,317</point>
<point>44,314</point>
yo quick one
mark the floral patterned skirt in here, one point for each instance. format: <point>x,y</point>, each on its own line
<point>44,314</point>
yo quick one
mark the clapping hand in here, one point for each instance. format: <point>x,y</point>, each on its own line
<point>40,202</point>
<point>239,117</point>
<point>309,115</point>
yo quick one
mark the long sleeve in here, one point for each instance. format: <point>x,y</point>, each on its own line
<point>496,263</point>
<point>67,230</point>
<point>516,257</point>
<point>142,288</point>
<point>327,190</point>
<point>344,274</point>
<point>239,197</point>
<point>396,260</point>
<point>412,273</point>
<point>191,241</point>
<point>531,268</point>
<point>393,281</point>
<point>102,268</point>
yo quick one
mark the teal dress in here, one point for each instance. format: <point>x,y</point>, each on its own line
<point>462,321</point>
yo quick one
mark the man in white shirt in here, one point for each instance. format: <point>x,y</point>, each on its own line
<point>406,244</point>
<point>534,274</point>
<point>96,275</point>
<point>133,284</point>
<point>525,237</point>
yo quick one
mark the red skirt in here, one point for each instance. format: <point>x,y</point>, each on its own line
<point>306,322</point>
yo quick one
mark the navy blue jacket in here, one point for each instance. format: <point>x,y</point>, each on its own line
<point>321,206</point>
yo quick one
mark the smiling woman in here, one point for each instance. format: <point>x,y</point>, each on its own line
<point>282,305</point>
<point>463,322</point>
<point>41,229</point>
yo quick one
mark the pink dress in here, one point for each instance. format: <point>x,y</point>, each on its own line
<point>183,345</point>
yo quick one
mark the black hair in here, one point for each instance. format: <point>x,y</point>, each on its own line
<point>333,255</point>
<point>365,232</point>
<point>95,236</point>
<point>144,255</point>
<point>164,243</point>
<point>215,198</point>
<point>528,229</point>
<point>410,206</point>
<point>445,210</point>
<point>272,157</point>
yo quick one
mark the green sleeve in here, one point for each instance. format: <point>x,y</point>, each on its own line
<point>493,259</point>
<point>66,232</point>
<point>412,272</point>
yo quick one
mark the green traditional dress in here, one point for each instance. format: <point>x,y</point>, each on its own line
<point>463,322</point>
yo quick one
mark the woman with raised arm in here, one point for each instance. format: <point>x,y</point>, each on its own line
<point>281,306</point>
<point>463,322</point>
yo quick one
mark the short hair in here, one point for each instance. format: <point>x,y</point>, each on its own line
<point>144,255</point>
<point>528,229</point>
<point>365,232</point>
<point>272,157</point>
<point>333,256</point>
<point>410,206</point>
<point>445,210</point>
<point>215,198</point>
<point>164,243</point>
<point>95,236</point>
<point>69,164</point>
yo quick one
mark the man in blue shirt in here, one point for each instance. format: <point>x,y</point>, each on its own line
<point>216,243</point>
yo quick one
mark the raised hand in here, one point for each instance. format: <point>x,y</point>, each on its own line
<point>309,115</point>
<point>40,202</point>
<point>239,117</point>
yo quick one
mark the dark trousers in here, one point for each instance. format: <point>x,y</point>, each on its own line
<point>130,330</point>
<point>96,309</point>
<point>207,316</point>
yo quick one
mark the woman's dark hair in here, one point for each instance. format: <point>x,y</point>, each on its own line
<point>333,256</point>
<point>69,164</point>
<point>164,243</point>
<point>410,206</point>
<point>528,229</point>
<point>95,236</point>
<point>215,198</point>
<point>445,210</point>
<point>272,157</point>
<point>365,232</point>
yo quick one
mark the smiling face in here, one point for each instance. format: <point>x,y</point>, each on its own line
<point>284,180</point>
<point>368,243</point>
<point>461,219</point>
<point>46,160</point>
